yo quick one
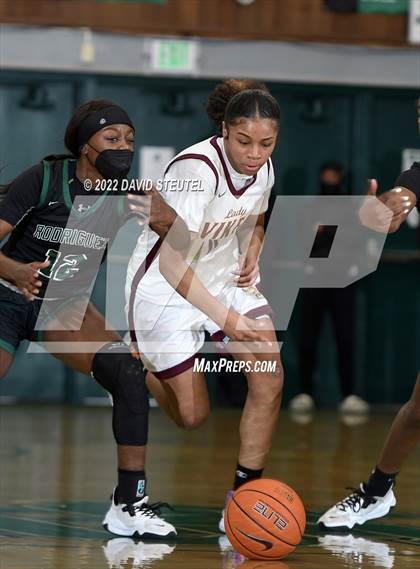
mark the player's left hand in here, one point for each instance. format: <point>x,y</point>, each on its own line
<point>249,271</point>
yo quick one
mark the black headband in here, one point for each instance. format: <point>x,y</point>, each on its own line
<point>99,120</point>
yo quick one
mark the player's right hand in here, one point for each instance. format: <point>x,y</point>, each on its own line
<point>373,214</point>
<point>152,209</point>
<point>26,278</point>
<point>398,201</point>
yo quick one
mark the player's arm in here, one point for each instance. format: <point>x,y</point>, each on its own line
<point>21,196</point>
<point>251,235</point>
<point>191,207</point>
<point>251,240</point>
<point>23,275</point>
<point>186,283</point>
<point>161,218</point>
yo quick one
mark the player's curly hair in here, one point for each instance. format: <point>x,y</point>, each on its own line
<point>224,92</point>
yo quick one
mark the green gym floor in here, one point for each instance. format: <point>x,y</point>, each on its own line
<point>57,472</point>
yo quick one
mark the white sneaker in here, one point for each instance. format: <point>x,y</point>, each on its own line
<point>301,403</point>
<point>353,420</point>
<point>137,519</point>
<point>357,508</point>
<point>354,404</point>
<point>123,549</point>
<point>224,544</point>
<point>231,558</point>
<point>301,417</point>
<point>358,551</point>
<point>222,519</point>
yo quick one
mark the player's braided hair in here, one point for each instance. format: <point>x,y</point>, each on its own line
<point>223,93</point>
<point>251,104</point>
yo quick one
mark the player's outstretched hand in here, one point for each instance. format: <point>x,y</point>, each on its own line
<point>401,201</point>
<point>373,214</point>
<point>26,278</point>
<point>398,201</point>
<point>151,208</point>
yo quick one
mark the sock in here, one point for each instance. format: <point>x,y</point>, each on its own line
<point>379,482</point>
<point>131,486</point>
<point>243,475</point>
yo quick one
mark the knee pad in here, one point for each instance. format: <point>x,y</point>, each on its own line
<point>115,369</point>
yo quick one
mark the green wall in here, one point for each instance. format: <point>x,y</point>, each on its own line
<point>365,128</point>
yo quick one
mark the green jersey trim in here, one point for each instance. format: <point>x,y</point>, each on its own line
<point>67,197</point>
<point>7,347</point>
<point>45,183</point>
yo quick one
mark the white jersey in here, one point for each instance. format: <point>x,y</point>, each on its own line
<point>214,207</point>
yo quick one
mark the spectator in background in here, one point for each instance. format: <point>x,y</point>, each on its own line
<point>340,304</point>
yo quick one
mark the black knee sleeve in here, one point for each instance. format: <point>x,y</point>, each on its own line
<point>115,369</point>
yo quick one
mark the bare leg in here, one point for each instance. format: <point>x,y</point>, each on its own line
<point>183,398</point>
<point>131,457</point>
<point>165,398</point>
<point>404,434</point>
<point>260,414</point>
<point>187,400</point>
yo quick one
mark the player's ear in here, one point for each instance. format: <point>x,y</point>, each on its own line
<point>84,150</point>
<point>225,131</point>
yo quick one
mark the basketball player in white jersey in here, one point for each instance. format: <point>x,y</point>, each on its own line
<point>215,286</point>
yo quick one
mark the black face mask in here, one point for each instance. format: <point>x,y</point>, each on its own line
<point>114,164</point>
<point>329,189</point>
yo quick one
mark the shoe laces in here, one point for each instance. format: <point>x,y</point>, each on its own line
<point>148,510</point>
<point>356,501</point>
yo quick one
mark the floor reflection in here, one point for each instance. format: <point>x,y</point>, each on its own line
<point>120,551</point>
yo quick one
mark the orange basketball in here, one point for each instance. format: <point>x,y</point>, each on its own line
<point>265,519</point>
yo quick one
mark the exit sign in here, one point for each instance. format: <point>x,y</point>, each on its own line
<point>174,56</point>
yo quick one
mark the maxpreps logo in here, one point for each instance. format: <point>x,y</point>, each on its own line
<point>269,514</point>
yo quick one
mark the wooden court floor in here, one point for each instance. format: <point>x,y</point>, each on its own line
<point>57,471</point>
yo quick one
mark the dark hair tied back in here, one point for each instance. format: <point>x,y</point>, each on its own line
<point>223,93</point>
<point>251,104</point>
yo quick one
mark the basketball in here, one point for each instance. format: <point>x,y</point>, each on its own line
<point>265,519</point>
